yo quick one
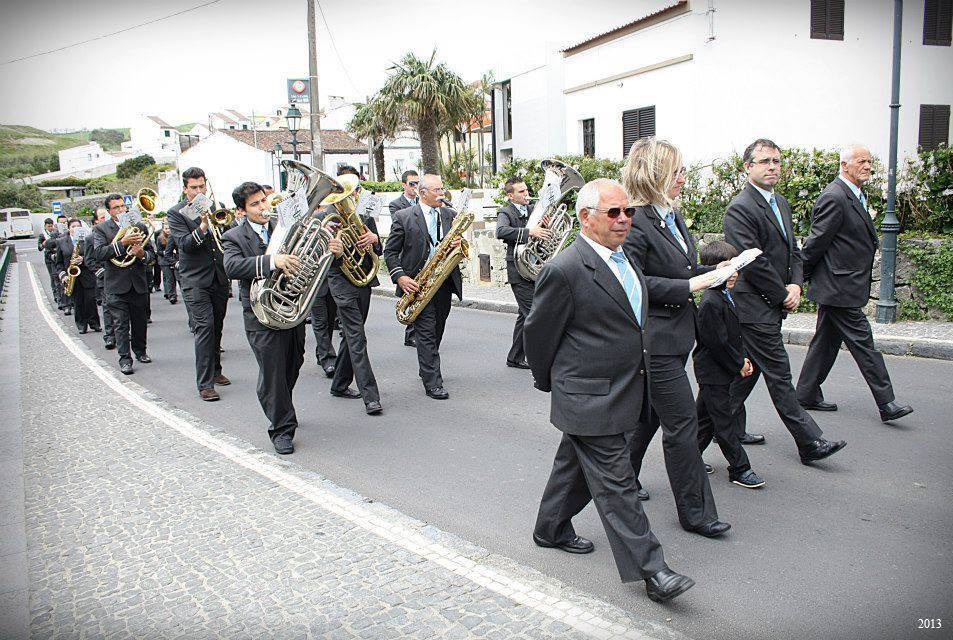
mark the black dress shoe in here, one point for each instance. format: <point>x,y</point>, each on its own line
<point>126,368</point>
<point>349,393</point>
<point>820,449</point>
<point>709,469</point>
<point>96,329</point>
<point>410,343</point>
<point>893,411</point>
<point>438,393</point>
<point>820,406</point>
<point>576,545</point>
<point>143,358</point>
<point>329,371</point>
<point>666,584</point>
<point>173,300</point>
<point>642,494</point>
<point>517,365</point>
<point>373,408</point>
<point>712,529</point>
<point>109,345</point>
<point>67,312</point>
<point>84,330</point>
<point>283,445</point>
<point>751,438</point>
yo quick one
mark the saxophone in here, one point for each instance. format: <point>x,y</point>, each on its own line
<point>358,265</point>
<point>282,300</point>
<point>444,260</point>
<point>72,271</point>
<point>559,182</point>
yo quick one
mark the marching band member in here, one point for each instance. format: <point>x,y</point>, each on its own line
<point>409,180</point>
<point>414,234</point>
<point>126,288</point>
<point>109,328</point>
<point>169,281</point>
<point>279,352</point>
<point>85,313</point>
<point>50,234</point>
<point>323,315</point>
<point>205,287</point>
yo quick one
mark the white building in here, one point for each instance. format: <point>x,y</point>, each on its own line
<point>228,119</point>
<point>83,157</point>
<point>714,75</point>
<point>153,136</point>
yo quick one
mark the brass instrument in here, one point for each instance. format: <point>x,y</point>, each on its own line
<point>444,260</point>
<point>282,300</point>
<point>218,222</point>
<point>72,271</point>
<point>560,181</point>
<point>146,200</point>
<point>141,230</point>
<point>358,265</point>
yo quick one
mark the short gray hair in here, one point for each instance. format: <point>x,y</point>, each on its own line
<point>588,196</point>
<point>848,151</point>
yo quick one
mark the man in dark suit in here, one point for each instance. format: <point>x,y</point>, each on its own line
<point>50,234</point>
<point>126,288</point>
<point>109,329</point>
<point>279,352</point>
<point>169,281</point>
<point>766,290</point>
<point>85,313</point>
<point>584,343</point>
<point>511,222</point>
<point>323,313</point>
<point>409,180</point>
<point>414,234</point>
<point>839,257</point>
<point>205,287</point>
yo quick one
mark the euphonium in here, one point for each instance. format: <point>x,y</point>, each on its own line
<point>560,180</point>
<point>444,260</point>
<point>282,300</point>
<point>358,265</point>
<point>141,231</point>
<point>72,271</point>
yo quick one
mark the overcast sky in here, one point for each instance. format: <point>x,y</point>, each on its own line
<point>238,53</point>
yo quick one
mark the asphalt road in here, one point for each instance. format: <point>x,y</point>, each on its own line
<point>856,547</point>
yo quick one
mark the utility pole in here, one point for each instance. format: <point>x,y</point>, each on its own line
<point>317,149</point>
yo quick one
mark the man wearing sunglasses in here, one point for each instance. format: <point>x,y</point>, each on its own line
<point>410,180</point>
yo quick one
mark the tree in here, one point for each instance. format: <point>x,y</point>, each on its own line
<point>431,97</point>
<point>25,196</point>
<point>132,166</point>
<point>372,122</point>
<point>108,138</point>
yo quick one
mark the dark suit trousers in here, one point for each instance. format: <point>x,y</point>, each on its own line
<point>523,290</point>
<point>673,407</point>
<point>409,333</point>
<point>156,276</point>
<point>207,306</point>
<point>56,285</point>
<point>109,329</point>
<point>713,408</point>
<point>280,355</point>
<point>598,468</point>
<point>353,304</point>
<point>429,327</point>
<point>129,319</point>
<point>834,326</point>
<point>765,349</point>
<point>188,310</point>
<point>169,283</point>
<point>322,323</point>
<point>85,313</point>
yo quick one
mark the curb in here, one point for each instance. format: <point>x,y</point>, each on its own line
<point>888,345</point>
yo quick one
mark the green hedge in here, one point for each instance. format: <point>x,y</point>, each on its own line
<point>931,289</point>
<point>382,187</point>
<point>71,181</point>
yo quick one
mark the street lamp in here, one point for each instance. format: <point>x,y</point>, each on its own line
<point>293,116</point>
<point>281,178</point>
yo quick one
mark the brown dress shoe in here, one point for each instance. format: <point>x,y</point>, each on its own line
<point>222,380</point>
<point>209,395</point>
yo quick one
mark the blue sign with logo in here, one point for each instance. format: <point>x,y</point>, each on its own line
<point>57,207</point>
<point>127,200</point>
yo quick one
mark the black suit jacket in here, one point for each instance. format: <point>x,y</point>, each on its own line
<point>719,355</point>
<point>47,244</point>
<point>62,254</point>
<point>511,229</point>
<point>839,254</point>
<point>162,250</point>
<point>245,261</point>
<point>120,280</point>
<point>666,269</point>
<point>200,262</point>
<point>399,203</point>
<point>408,245</point>
<point>584,345</point>
<point>750,223</point>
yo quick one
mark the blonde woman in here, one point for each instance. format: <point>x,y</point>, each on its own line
<point>661,246</point>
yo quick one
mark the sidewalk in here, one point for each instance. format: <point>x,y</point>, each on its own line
<point>930,339</point>
<point>143,522</point>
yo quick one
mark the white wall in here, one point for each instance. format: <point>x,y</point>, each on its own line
<point>227,163</point>
<point>85,156</point>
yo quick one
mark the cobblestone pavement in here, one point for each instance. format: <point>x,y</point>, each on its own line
<point>144,523</point>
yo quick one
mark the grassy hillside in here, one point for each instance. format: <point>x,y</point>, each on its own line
<point>28,151</point>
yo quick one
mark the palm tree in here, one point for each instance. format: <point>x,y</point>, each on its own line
<point>372,122</point>
<point>431,97</point>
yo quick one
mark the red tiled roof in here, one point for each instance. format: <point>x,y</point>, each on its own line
<point>333,140</point>
<point>159,121</point>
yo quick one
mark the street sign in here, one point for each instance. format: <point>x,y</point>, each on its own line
<point>57,207</point>
<point>299,90</point>
<point>127,200</point>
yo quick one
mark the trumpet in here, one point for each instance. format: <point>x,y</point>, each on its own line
<point>219,221</point>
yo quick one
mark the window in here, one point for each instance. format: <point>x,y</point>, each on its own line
<point>168,134</point>
<point>934,126</point>
<point>827,19</point>
<point>636,124</point>
<point>937,22</point>
<point>589,137</point>
<point>244,127</point>
<point>507,110</point>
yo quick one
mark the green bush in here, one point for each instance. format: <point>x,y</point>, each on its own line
<point>925,193</point>
<point>133,166</point>
<point>26,196</point>
<point>382,187</point>
<point>931,281</point>
<point>531,173</point>
<point>107,138</point>
<point>71,181</point>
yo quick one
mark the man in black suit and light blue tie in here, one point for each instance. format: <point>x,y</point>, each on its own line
<point>585,325</point>
<point>838,260</point>
<point>409,180</point>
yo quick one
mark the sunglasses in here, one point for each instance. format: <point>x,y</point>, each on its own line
<point>413,183</point>
<point>614,212</point>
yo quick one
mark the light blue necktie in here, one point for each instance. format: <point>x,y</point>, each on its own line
<point>670,223</point>
<point>432,229</point>
<point>863,200</point>
<point>264,233</point>
<point>728,295</point>
<point>777,214</point>
<point>629,283</point>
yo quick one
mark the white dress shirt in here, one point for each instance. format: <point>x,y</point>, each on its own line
<point>605,253</point>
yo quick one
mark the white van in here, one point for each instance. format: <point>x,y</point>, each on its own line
<point>15,223</point>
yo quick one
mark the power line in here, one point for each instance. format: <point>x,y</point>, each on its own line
<point>335,47</point>
<point>108,35</point>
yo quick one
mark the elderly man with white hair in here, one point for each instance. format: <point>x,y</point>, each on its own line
<point>584,344</point>
<point>838,258</point>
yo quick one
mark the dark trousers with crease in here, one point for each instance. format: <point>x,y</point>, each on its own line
<point>157,274</point>
<point>207,306</point>
<point>523,291</point>
<point>409,333</point>
<point>428,328</point>
<point>713,408</point>
<point>765,349</point>
<point>169,283</point>
<point>85,313</point>
<point>188,310</point>
<point>109,328</point>
<point>353,304</point>
<point>322,323</point>
<point>673,408</point>
<point>836,325</point>
<point>598,468</point>
<point>129,312</point>
<point>280,355</point>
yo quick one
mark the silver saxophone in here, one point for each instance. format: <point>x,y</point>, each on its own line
<point>559,182</point>
<point>283,300</point>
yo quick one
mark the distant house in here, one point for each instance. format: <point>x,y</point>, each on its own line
<point>153,136</point>
<point>228,119</point>
<point>82,157</point>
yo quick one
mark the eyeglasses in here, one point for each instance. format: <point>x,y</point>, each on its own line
<point>765,162</point>
<point>413,183</point>
<point>614,212</point>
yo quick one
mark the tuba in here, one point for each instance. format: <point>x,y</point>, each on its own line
<point>358,265</point>
<point>441,264</point>
<point>282,300</point>
<point>560,181</point>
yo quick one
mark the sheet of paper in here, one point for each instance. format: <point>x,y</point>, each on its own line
<point>739,262</point>
<point>290,210</point>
